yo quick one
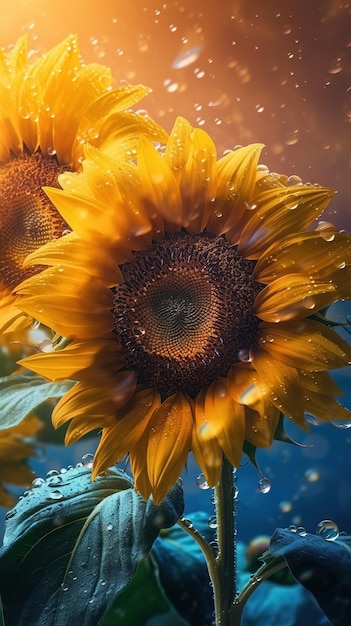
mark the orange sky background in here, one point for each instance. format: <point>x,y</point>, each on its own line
<point>275,72</point>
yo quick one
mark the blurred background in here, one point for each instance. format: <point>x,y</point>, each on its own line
<point>274,72</point>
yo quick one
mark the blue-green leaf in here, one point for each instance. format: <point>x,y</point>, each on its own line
<point>72,545</point>
<point>19,395</point>
<point>323,567</point>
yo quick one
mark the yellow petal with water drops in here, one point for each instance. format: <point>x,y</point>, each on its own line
<point>159,190</point>
<point>169,444</point>
<point>294,296</point>
<point>207,451</point>
<point>225,420</point>
<point>130,423</point>
<point>237,173</point>
<point>308,345</point>
<point>119,134</point>
<point>100,356</point>
<point>260,429</point>
<point>198,182</point>
<point>246,387</point>
<point>280,212</point>
<point>327,409</point>
<point>96,401</point>
<point>316,254</point>
<point>179,146</point>
<point>283,385</point>
<point>72,252</point>
<point>320,382</point>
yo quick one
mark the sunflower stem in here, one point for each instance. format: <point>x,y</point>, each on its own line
<point>224,582</point>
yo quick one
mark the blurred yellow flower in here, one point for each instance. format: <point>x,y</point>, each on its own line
<point>190,288</point>
<point>49,107</point>
<point>15,450</point>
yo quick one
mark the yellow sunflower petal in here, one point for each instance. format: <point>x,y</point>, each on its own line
<point>97,401</point>
<point>311,253</point>
<point>129,426</point>
<point>169,444</point>
<point>308,345</point>
<point>207,451</point>
<point>88,302</point>
<point>12,319</point>
<point>293,298</point>
<point>279,213</point>
<point>237,173</point>
<point>283,384</point>
<point>99,356</point>
<point>260,429</point>
<point>225,420</point>
<point>160,192</point>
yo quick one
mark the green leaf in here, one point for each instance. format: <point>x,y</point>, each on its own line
<point>19,395</point>
<point>72,545</point>
<point>142,599</point>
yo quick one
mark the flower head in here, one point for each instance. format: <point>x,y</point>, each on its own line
<point>190,288</point>
<point>49,107</point>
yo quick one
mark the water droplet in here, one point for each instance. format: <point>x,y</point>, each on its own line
<point>55,480</point>
<point>202,482</point>
<point>55,495</point>
<point>138,332</point>
<point>38,482</point>
<point>109,526</point>
<point>310,419</point>
<point>308,303</point>
<point>340,423</point>
<point>294,180</point>
<point>212,522</point>
<point>264,485</point>
<point>10,514</point>
<point>244,355</point>
<point>51,151</point>
<point>52,472</point>
<point>87,460</point>
<point>292,528</point>
<point>45,346</point>
<point>301,531</point>
<point>328,530</point>
<point>187,522</point>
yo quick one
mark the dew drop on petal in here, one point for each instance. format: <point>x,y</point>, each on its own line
<point>328,530</point>
<point>264,485</point>
<point>202,482</point>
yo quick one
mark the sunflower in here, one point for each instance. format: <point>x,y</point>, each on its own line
<point>191,289</point>
<point>49,107</point>
<point>15,450</point>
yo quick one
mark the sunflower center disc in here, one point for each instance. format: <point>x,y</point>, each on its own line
<point>28,219</point>
<point>184,311</point>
